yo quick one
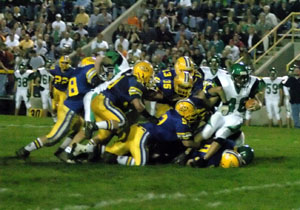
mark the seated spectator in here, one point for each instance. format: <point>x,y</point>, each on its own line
<point>121,50</point>
<point>40,49</point>
<point>92,25</point>
<point>53,53</point>
<point>217,43</point>
<point>26,44</point>
<point>78,41</point>
<point>36,61</point>
<point>81,30</point>
<point>163,19</point>
<point>104,19</point>
<point>102,3</point>
<point>123,41</point>
<point>183,6</point>
<point>120,30</point>
<point>164,35</point>
<point>119,7</point>
<point>58,23</point>
<point>87,4</point>
<point>135,51</point>
<point>147,34</point>
<point>134,20</point>
<point>11,41</point>
<point>99,46</point>
<point>82,17</point>
<point>160,51</point>
<point>133,35</point>
<point>183,30</point>
<point>193,18</point>
<point>172,14</point>
<point>66,40</point>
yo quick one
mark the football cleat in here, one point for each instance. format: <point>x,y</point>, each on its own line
<point>90,127</point>
<point>78,149</point>
<point>22,153</point>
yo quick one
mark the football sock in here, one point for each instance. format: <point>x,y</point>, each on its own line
<point>37,144</point>
<point>90,146</point>
<point>126,160</point>
<point>66,142</point>
<point>107,125</point>
<point>152,107</point>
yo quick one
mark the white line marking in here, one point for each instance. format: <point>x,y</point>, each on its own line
<point>76,207</point>
<point>3,190</point>
<point>151,196</point>
<point>25,125</point>
<point>214,204</point>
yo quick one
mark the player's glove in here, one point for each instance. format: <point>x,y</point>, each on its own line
<point>149,117</point>
<point>199,162</point>
<point>183,157</point>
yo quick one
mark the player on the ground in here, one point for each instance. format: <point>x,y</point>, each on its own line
<point>22,77</point>
<point>111,105</point>
<point>173,127</point>
<point>273,95</point>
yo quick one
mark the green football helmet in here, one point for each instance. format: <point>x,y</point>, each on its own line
<point>240,74</point>
<point>247,154</point>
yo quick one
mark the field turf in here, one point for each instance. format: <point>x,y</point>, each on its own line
<point>272,181</point>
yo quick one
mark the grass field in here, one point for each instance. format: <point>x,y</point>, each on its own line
<point>272,181</point>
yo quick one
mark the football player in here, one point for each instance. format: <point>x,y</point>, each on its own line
<point>213,70</point>
<point>45,79</point>
<point>286,93</point>
<point>174,85</point>
<point>61,74</point>
<point>110,106</point>
<point>227,156</point>
<point>273,95</point>
<point>238,87</point>
<point>69,120</point>
<point>173,127</point>
<point>22,77</point>
<point>116,65</point>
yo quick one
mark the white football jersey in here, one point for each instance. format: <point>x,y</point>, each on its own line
<point>209,75</point>
<point>22,79</point>
<point>272,88</point>
<point>236,98</point>
<point>45,77</point>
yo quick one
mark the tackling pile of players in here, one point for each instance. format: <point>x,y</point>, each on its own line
<point>198,113</point>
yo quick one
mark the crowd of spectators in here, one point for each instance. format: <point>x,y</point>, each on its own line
<point>159,31</point>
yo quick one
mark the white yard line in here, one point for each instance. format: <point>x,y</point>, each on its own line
<point>3,190</point>
<point>178,195</point>
<point>24,126</point>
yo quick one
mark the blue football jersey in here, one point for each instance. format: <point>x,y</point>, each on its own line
<point>61,79</point>
<point>79,84</point>
<point>198,83</point>
<point>171,127</point>
<point>122,91</point>
<point>216,158</point>
<point>165,83</point>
